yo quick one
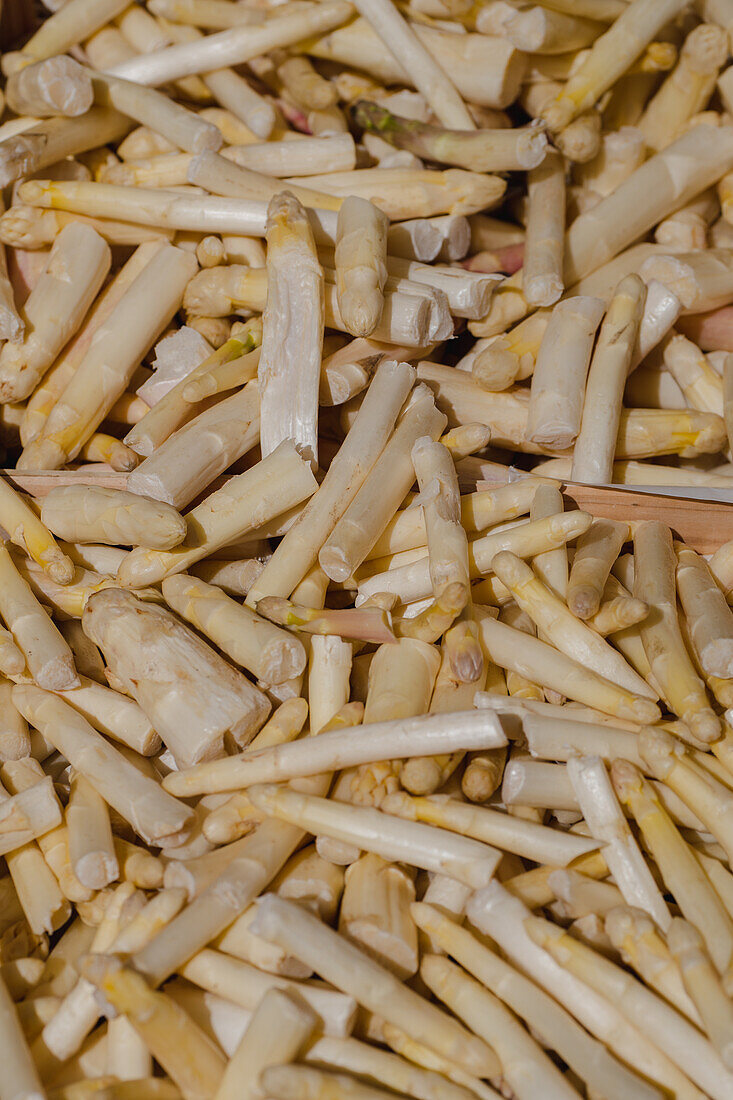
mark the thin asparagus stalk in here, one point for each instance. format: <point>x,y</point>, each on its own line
<point>687,88</point>
<point>595,446</point>
<point>375,913</point>
<point>490,826</point>
<point>151,811</point>
<point>654,583</point>
<point>561,628</point>
<point>396,738</point>
<point>349,969</point>
<point>50,661</point>
<point>66,28</point>
<point>292,332</point>
<point>47,143</point>
<point>682,874</point>
<point>703,985</point>
<point>609,57</point>
<point>360,262</point>
<point>671,1032</point>
<point>109,364</point>
<point>433,849</point>
<point>525,1066</point>
<point>478,151</point>
<point>556,401</point>
<point>231,47</point>
<point>77,267</point>
<point>26,531</point>
<point>706,612</point>
<point>605,818</point>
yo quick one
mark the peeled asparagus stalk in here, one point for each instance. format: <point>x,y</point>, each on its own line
<point>145,308</point>
<point>56,307</point>
<point>349,969</point>
<point>607,823</point>
<point>654,583</point>
<point>433,849</point>
<point>292,332</point>
<point>610,56</point>
<point>91,848</point>
<point>542,274</point>
<point>247,501</point>
<point>156,815</point>
<point>29,533</point>
<point>709,618</point>
<point>50,661</point>
<point>396,738</point>
<point>559,625</point>
<point>703,985</point>
<point>595,446</point>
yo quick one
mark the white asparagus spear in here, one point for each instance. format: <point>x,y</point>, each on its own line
<point>375,913</point>
<point>277,1032</point>
<point>190,694</point>
<point>50,660</point>
<point>511,834</point>
<point>432,849</point>
<point>271,654</point>
<point>412,581</point>
<point>609,58</point>
<point>152,812</point>
<point>52,140</point>
<point>26,531</point>
<point>595,446</point>
<point>681,873</point>
<point>246,502</point>
<point>703,985</point>
<point>525,1066</point>
<point>108,366</point>
<point>560,627</point>
<point>687,88</point>
<point>709,617</point>
<point>543,664</point>
<point>542,277</point>
<point>77,267</point>
<point>676,1038</point>
<point>292,336</point>
<point>360,262</point>
<point>607,823</point>
<point>595,553</point>
<point>425,735</point>
<point>94,514</point>
<point>55,86</point>
<point>496,913</point>
<point>407,49</point>
<point>349,969</point>
<point>558,382</point>
<point>20,1076</point>
<point>384,486</point>
<point>366,439</point>
<point>67,28</point>
<point>555,1026</point>
<point>28,815</point>
<point>91,848</point>
<point>232,47</point>
<point>654,583</point>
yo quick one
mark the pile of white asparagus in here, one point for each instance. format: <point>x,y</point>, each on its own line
<point>340,757</point>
